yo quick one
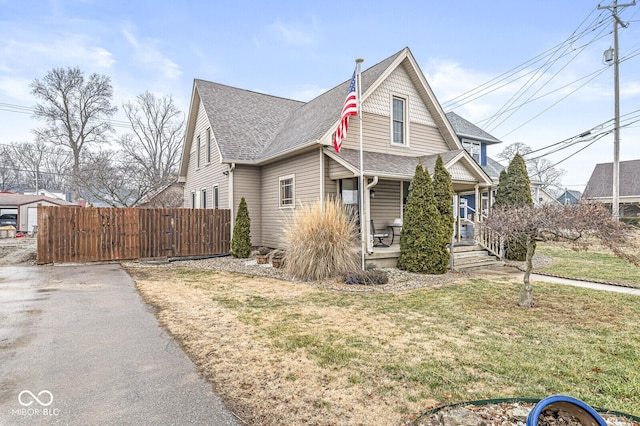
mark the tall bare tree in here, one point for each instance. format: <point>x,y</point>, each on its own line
<point>75,111</point>
<point>110,177</point>
<point>8,169</point>
<point>40,165</point>
<point>581,225</point>
<point>158,133</point>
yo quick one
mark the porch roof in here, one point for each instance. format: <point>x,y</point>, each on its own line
<point>403,167</point>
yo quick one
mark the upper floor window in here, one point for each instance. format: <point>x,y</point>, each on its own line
<point>473,148</point>
<point>208,145</point>
<point>287,191</point>
<point>398,120</point>
<point>198,152</point>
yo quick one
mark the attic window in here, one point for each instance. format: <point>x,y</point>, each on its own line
<point>398,121</point>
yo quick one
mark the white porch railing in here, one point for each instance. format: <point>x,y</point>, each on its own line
<point>489,240</point>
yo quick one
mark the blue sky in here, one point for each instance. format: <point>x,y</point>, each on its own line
<point>299,52</point>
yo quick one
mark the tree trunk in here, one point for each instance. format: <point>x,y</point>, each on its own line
<point>526,294</point>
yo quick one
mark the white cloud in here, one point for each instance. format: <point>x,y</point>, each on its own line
<point>147,53</point>
<point>295,34</point>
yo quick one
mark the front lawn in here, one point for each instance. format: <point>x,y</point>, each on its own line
<point>596,264</point>
<point>280,352</point>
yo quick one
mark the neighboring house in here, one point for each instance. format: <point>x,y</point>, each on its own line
<point>278,153</point>
<point>475,141</point>
<point>600,187</point>
<point>26,207</point>
<point>169,196</point>
<point>542,197</point>
<point>569,197</point>
<point>47,193</point>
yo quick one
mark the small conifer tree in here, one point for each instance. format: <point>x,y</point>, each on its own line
<point>514,190</point>
<point>421,248</point>
<point>443,191</point>
<point>241,241</point>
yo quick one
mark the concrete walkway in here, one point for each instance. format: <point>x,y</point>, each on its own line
<point>511,272</point>
<point>79,346</point>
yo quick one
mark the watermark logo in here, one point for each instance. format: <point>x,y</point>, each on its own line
<point>43,399</point>
<point>26,398</point>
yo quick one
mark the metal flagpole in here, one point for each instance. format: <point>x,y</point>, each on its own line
<point>361,165</point>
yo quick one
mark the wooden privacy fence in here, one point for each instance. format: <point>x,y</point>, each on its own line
<point>77,234</point>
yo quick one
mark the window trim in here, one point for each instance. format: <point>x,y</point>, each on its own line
<point>198,152</point>
<point>203,198</point>
<point>405,118</point>
<point>216,196</point>
<point>208,148</point>
<point>292,204</point>
<point>193,200</point>
<point>474,145</point>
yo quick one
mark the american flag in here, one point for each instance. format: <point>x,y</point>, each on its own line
<point>350,108</point>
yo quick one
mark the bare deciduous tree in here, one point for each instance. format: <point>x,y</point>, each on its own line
<point>158,132</point>
<point>8,169</point>
<point>75,111</point>
<point>581,225</point>
<point>540,169</point>
<point>109,177</point>
<point>40,165</point>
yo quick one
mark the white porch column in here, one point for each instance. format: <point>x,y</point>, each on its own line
<point>478,215</point>
<point>458,225</point>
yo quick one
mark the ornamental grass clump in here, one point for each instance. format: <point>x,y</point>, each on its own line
<point>321,241</point>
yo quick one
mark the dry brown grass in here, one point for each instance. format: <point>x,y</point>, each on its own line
<point>285,353</point>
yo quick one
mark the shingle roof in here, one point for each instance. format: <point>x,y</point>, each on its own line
<point>600,183</point>
<point>243,122</point>
<point>376,163</point>
<point>465,128</point>
<point>251,126</point>
<point>7,199</point>
<point>493,168</point>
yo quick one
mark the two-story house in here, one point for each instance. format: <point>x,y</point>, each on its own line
<point>278,153</point>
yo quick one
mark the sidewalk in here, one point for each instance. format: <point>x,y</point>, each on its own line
<point>508,271</point>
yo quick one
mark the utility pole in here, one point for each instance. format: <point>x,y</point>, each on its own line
<point>615,194</point>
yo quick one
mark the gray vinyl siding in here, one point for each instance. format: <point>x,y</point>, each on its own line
<point>306,171</point>
<point>246,183</point>
<point>385,207</point>
<point>423,139</point>
<point>338,171</point>
<point>330,189</point>
<point>209,174</point>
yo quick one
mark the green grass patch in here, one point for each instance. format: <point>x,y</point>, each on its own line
<point>451,343</point>
<point>595,264</point>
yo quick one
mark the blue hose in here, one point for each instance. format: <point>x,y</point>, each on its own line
<point>580,410</point>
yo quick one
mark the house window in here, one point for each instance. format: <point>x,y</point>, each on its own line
<point>208,145</point>
<point>287,191</point>
<point>350,196</point>
<point>216,197</point>
<point>398,121</point>
<point>473,148</point>
<point>204,199</point>
<point>198,153</point>
<point>193,199</point>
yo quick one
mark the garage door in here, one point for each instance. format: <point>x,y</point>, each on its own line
<point>32,218</point>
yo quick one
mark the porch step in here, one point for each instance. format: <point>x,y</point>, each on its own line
<point>473,257</point>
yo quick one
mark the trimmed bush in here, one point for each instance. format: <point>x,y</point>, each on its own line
<point>241,240</point>
<point>368,277</point>
<point>321,241</point>
<point>443,192</point>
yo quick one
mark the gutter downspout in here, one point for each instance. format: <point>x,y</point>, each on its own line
<point>367,209</point>
<point>232,166</point>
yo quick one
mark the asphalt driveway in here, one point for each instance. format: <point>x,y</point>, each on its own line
<point>79,346</point>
